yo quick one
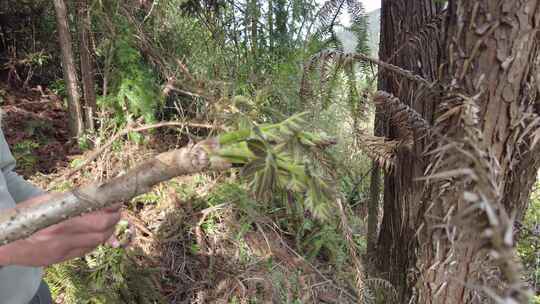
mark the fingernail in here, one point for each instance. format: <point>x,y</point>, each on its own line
<point>115,243</point>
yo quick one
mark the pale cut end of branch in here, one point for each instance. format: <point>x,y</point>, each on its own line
<point>23,221</point>
<point>194,158</point>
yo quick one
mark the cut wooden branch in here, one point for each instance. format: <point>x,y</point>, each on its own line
<point>21,222</point>
<point>410,124</point>
<point>243,147</point>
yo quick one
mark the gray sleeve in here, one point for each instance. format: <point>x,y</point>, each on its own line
<point>19,189</point>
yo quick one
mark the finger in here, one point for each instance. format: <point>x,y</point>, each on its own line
<point>113,208</point>
<point>91,239</point>
<point>113,242</point>
<point>92,222</point>
<point>79,252</point>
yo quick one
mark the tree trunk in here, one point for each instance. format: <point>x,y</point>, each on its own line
<point>76,125</point>
<point>491,79</point>
<point>271,26</point>
<point>254,14</point>
<point>396,246</point>
<point>280,26</point>
<point>87,69</point>
<point>374,199</point>
<point>451,229</point>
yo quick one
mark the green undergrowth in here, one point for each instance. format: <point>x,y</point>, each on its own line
<point>528,246</point>
<point>24,153</point>
<point>134,89</point>
<point>107,275</point>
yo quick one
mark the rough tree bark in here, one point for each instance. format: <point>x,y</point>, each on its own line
<point>491,82</point>
<point>442,237</point>
<point>374,200</point>
<point>87,69</point>
<point>396,246</point>
<point>76,124</point>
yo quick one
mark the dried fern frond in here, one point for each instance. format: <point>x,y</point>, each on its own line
<point>327,68</point>
<point>378,286</point>
<point>380,149</point>
<point>408,122</point>
<point>353,252</point>
<point>328,64</point>
<point>428,32</point>
<point>395,69</point>
<point>306,87</point>
<point>485,197</point>
<point>347,58</point>
<point>431,29</point>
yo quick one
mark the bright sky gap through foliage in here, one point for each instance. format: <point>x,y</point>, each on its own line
<point>369,6</point>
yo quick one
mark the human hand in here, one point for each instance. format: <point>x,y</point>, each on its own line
<point>64,241</point>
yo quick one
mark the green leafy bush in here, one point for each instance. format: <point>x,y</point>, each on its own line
<point>58,87</point>
<point>134,89</point>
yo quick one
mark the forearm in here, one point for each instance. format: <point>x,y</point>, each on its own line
<point>22,252</point>
<point>63,241</point>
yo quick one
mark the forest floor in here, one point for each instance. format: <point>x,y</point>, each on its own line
<point>195,242</point>
<point>35,121</point>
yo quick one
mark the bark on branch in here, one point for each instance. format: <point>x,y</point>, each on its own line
<point>21,222</point>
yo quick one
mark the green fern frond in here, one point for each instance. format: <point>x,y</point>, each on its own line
<point>330,12</point>
<point>276,158</point>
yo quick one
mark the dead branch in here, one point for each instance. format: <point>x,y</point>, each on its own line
<point>21,222</point>
<point>395,69</point>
